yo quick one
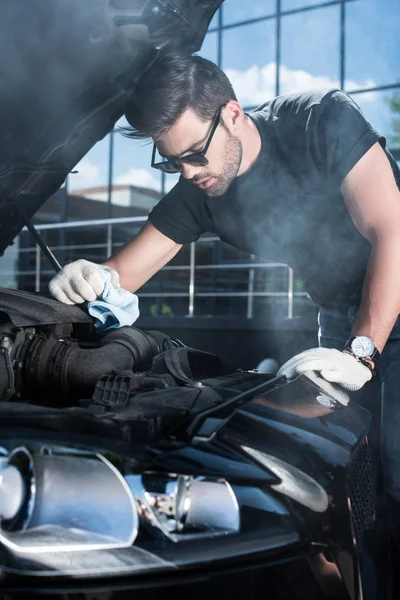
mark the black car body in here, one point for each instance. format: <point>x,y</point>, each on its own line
<point>132,466</point>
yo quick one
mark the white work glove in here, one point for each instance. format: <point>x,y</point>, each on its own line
<point>334,366</point>
<point>81,281</point>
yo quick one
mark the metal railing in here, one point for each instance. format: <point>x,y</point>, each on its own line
<point>192,267</point>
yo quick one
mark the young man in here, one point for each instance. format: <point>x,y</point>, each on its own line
<point>303,180</point>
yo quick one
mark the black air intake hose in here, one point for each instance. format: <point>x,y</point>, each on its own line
<point>64,367</point>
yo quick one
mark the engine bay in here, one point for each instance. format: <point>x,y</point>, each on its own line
<point>52,356</point>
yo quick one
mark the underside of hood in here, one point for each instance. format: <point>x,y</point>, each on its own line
<point>67,68</point>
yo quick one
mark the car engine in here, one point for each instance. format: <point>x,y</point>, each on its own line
<point>51,355</point>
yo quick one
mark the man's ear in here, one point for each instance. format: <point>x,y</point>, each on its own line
<point>233,116</point>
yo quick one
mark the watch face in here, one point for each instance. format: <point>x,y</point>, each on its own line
<point>362,346</point>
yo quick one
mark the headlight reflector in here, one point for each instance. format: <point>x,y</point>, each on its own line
<point>62,502</point>
<point>12,491</point>
<point>184,506</point>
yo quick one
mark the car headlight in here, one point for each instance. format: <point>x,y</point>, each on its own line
<point>184,506</point>
<point>61,502</point>
<point>69,511</point>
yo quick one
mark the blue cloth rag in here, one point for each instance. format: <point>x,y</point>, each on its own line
<point>115,307</point>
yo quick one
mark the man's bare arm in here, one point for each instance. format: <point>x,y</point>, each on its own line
<point>138,260</point>
<point>373,201</point>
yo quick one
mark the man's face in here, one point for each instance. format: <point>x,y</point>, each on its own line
<point>224,155</point>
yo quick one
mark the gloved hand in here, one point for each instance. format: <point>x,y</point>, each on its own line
<point>80,281</point>
<point>334,366</point>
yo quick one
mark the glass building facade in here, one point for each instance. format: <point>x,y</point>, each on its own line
<point>266,47</point>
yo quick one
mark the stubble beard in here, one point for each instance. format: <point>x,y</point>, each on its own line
<point>232,160</point>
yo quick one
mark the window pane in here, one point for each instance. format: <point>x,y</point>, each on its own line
<point>155,296</point>
<point>209,48</point>
<point>91,177</point>
<point>124,232</point>
<point>54,209</point>
<point>92,170</point>
<point>292,4</point>
<point>310,50</point>
<point>70,201</point>
<point>88,242</point>
<point>9,265</point>
<point>238,10</point>
<point>214,21</point>
<point>69,244</point>
<point>372,43</point>
<point>376,108</point>
<point>249,61</point>
<point>136,185</point>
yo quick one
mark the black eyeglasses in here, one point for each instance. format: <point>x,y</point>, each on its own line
<point>196,159</point>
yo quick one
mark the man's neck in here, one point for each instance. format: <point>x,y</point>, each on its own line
<point>251,144</point>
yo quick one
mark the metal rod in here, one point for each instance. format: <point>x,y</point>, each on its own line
<point>239,266</point>
<point>109,240</point>
<point>191,278</point>
<point>219,46</point>
<point>278,48</point>
<point>342,44</point>
<point>290,294</point>
<point>221,294</point>
<point>62,237</point>
<point>37,274</point>
<point>110,175</point>
<point>250,290</point>
<point>227,266</point>
<point>92,223</point>
<point>162,183</point>
<point>40,242</point>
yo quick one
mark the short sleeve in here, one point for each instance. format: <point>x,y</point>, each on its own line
<point>180,215</point>
<point>344,135</point>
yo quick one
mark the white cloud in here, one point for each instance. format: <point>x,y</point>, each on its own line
<point>257,84</point>
<point>89,175</point>
<point>146,179</point>
<point>139,177</point>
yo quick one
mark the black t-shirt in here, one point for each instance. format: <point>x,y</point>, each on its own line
<point>288,207</point>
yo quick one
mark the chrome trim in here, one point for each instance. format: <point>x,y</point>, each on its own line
<point>147,511</point>
<point>191,278</point>
<point>135,528</point>
<point>31,489</point>
<point>294,483</point>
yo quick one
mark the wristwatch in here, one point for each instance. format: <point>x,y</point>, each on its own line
<point>364,350</point>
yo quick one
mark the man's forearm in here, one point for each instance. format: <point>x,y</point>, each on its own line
<point>380,302</point>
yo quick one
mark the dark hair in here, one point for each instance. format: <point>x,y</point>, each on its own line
<point>170,86</point>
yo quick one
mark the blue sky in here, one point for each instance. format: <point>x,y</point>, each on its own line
<point>309,57</point>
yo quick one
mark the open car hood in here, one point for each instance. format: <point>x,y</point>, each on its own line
<point>67,70</point>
